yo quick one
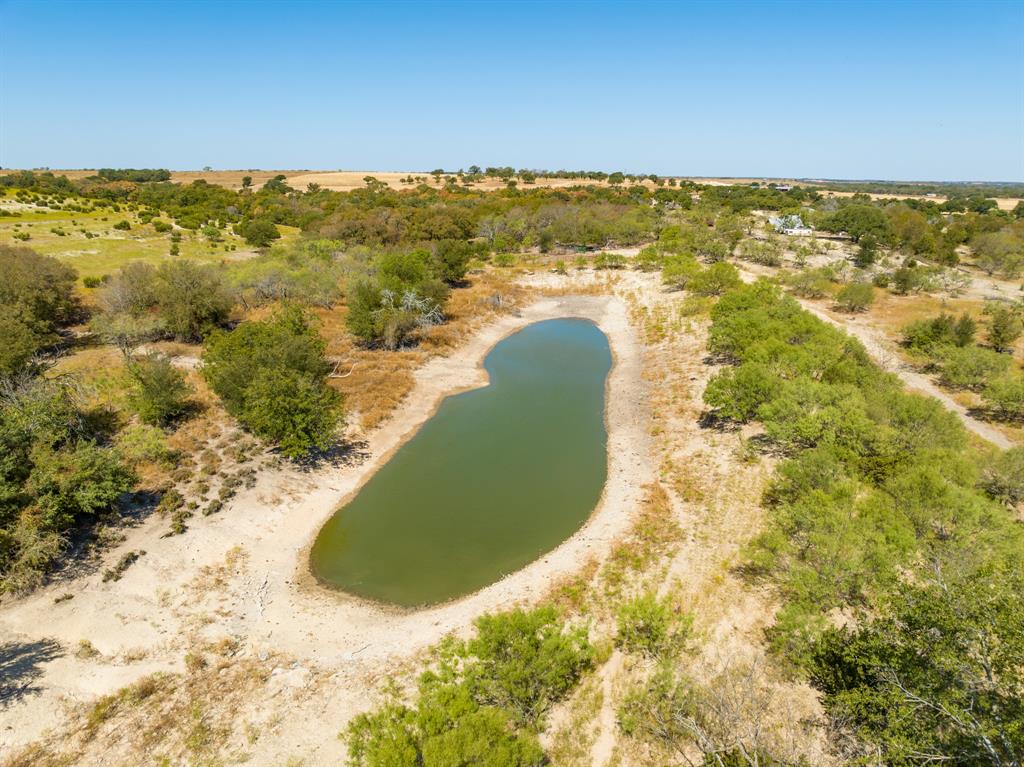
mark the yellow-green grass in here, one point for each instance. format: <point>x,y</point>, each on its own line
<point>110,249</point>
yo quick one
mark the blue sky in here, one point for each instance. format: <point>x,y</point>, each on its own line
<point>870,90</point>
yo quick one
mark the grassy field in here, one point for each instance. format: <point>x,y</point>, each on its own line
<point>90,243</point>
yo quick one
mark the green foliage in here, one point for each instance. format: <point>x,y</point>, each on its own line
<point>678,270</point>
<point>876,477</point>
<point>737,393</point>
<point>192,298</point>
<point>970,367</point>
<point>810,283</point>
<point>937,673</point>
<point>451,259</point>
<point>609,261</point>
<point>484,703</point>
<point>650,626</point>
<point>859,221</point>
<point>525,661</point>
<point>855,297</point>
<point>19,345</point>
<point>1004,396</point>
<point>272,376</point>
<point>292,409</point>
<point>37,296</point>
<point>944,330</point>
<point>1001,252</point>
<point>649,259</point>
<point>1003,477</point>
<point>161,393</point>
<point>308,272</point>
<point>402,296</point>
<point>714,280</point>
<point>1005,326</point>
<point>123,225</point>
<point>258,232</point>
<point>53,475</point>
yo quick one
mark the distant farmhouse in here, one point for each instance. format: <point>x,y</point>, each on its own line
<point>792,225</point>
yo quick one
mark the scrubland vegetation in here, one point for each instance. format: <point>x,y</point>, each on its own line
<point>889,551</point>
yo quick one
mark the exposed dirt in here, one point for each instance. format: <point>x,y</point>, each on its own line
<point>243,573</point>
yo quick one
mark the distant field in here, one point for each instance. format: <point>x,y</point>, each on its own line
<point>90,243</point>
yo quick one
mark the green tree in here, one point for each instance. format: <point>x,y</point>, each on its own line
<point>650,626</point>
<point>1004,396</point>
<point>272,376</point>
<point>525,661</point>
<point>38,291</point>
<point>258,232</point>
<point>715,280</point>
<point>855,297</point>
<point>937,675</point>
<point>161,393</point>
<point>192,298</point>
<point>292,409</point>
<point>1004,326</point>
<point>19,345</point>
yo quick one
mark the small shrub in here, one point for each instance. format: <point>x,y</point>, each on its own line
<point>649,626</point>
<point>161,395</point>
<point>855,297</point>
<point>1004,396</point>
<point>970,367</point>
<point>114,573</point>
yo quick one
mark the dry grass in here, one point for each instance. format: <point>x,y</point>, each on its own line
<point>166,718</point>
<point>375,381</point>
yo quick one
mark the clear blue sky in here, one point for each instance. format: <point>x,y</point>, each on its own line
<point>870,90</point>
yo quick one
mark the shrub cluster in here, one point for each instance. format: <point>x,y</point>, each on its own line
<point>880,509</point>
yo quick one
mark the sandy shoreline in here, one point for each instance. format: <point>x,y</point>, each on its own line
<point>267,597</point>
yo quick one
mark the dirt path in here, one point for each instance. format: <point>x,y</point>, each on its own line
<point>881,349</point>
<point>885,355</point>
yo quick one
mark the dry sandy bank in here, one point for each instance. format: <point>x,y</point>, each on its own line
<point>265,597</point>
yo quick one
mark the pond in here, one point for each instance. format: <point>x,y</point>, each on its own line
<point>497,477</point>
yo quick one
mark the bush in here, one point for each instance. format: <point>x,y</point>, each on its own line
<point>485,703</point>
<point>809,283</point>
<point>1003,477</point>
<point>678,271</point>
<point>404,295</point>
<point>970,367</point>
<point>936,673</point>
<point>161,394</point>
<point>1004,396</point>
<point>649,626</point>
<point>144,444</point>
<point>192,298</point>
<point>19,345</point>
<point>525,661</point>
<point>1005,326</point>
<point>124,226</point>
<point>609,261</point>
<point>272,376</point>
<point>930,335</point>
<point>292,409</point>
<point>715,280</point>
<point>855,297</point>
<point>649,259</point>
<point>38,290</point>
<point>258,232</point>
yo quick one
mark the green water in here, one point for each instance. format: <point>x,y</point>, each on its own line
<point>496,478</point>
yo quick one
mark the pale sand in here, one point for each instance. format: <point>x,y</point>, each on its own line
<point>270,601</point>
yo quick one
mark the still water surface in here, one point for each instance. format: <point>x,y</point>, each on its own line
<point>496,478</point>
